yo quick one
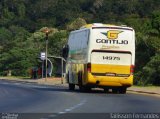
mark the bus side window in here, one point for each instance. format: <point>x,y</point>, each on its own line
<point>82,41</point>
<point>87,37</point>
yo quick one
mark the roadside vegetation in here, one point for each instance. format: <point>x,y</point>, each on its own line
<point>22,39</point>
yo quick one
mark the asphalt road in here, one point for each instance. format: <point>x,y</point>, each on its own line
<point>54,102</point>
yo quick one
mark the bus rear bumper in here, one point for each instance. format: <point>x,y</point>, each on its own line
<point>110,80</point>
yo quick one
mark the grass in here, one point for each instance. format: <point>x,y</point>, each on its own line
<point>14,77</point>
<point>147,86</point>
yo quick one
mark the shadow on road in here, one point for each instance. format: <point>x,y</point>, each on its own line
<point>65,89</point>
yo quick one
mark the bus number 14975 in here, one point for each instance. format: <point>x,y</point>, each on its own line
<point>111,58</point>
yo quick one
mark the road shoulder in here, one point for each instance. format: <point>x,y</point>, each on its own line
<point>148,90</point>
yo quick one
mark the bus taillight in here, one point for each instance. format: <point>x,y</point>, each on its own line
<point>89,67</point>
<point>132,69</point>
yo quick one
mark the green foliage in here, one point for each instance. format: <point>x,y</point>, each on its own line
<point>151,72</point>
<point>22,23</point>
<point>76,24</point>
<point>19,61</point>
<point>5,36</point>
<point>56,42</point>
<point>156,20</point>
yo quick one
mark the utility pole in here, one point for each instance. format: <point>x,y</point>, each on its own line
<point>47,31</point>
<point>43,56</point>
<point>42,68</point>
<point>62,71</point>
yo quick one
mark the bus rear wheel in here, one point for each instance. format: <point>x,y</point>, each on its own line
<point>71,86</point>
<point>106,90</point>
<point>84,89</point>
<point>122,90</point>
<point>114,90</point>
<point>81,87</point>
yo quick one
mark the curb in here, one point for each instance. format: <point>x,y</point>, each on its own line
<point>144,93</point>
<point>30,82</point>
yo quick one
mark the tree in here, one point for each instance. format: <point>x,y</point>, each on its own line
<point>56,42</point>
<point>76,24</point>
<point>151,72</point>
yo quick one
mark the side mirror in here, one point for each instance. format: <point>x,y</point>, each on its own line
<point>65,51</point>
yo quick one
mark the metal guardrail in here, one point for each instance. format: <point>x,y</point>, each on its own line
<point>62,59</point>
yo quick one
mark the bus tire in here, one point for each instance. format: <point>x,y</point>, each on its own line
<point>67,77</point>
<point>122,90</point>
<point>106,90</point>
<point>81,87</point>
<point>88,89</point>
<point>71,86</point>
<point>114,90</point>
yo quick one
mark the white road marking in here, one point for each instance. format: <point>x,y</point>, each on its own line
<point>17,83</point>
<point>53,115</point>
<point>61,112</point>
<point>67,110</point>
<point>74,107</point>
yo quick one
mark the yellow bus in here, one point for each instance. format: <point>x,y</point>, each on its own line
<point>100,55</point>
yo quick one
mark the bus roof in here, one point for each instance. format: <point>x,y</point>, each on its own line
<point>111,26</point>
